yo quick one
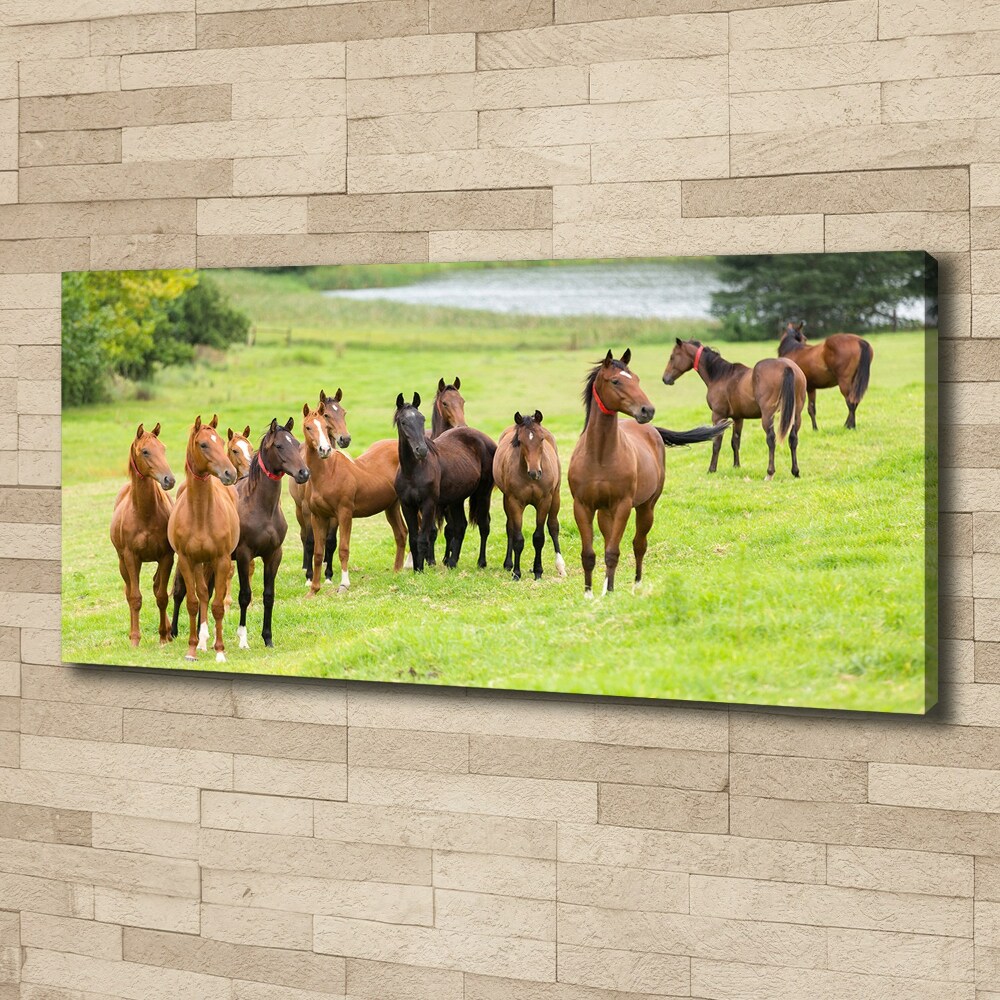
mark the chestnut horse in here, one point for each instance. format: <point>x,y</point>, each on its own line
<point>526,471</point>
<point>618,466</point>
<point>449,408</point>
<point>739,392</point>
<point>139,525</point>
<point>843,360</point>
<point>240,451</point>
<point>204,528</point>
<point>435,478</point>
<point>340,437</point>
<point>341,488</point>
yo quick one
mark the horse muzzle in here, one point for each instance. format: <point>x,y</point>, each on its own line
<point>168,482</point>
<point>535,474</point>
<point>344,441</point>
<point>644,414</point>
<point>227,478</point>
<point>302,476</point>
<point>420,453</point>
<point>668,379</point>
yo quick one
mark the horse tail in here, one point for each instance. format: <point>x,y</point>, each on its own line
<point>693,436</point>
<point>860,384</point>
<point>787,402</point>
<point>479,502</point>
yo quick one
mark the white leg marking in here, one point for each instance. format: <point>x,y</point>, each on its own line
<point>241,633</point>
<point>588,594</point>
<point>220,657</point>
<point>203,636</point>
<point>345,580</point>
<point>560,564</point>
<point>604,589</point>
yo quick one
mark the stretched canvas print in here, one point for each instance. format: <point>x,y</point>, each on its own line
<point>708,479</point>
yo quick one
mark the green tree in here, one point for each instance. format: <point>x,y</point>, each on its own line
<point>831,292</point>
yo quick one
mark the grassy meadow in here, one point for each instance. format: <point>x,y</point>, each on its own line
<point>794,592</point>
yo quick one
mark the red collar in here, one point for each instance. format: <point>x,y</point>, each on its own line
<point>187,466</point>
<point>697,355</point>
<point>135,468</point>
<point>600,405</point>
<point>270,475</point>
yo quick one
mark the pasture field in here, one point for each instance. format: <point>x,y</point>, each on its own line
<point>794,592</point>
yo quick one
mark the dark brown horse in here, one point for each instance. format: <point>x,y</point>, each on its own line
<point>738,392</point>
<point>436,477</point>
<point>843,360</point>
<point>526,471</point>
<point>449,408</point>
<point>618,466</point>
<point>139,525</point>
<point>203,530</point>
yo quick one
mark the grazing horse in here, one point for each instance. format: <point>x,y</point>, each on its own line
<point>240,451</point>
<point>843,360</point>
<point>204,528</point>
<point>435,478</point>
<point>341,488</point>
<point>449,408</point>
<point>139,525</point>
<point>340,437</point>
<point>526,471</point>
<point>738,392</point>
<point>618,466</point>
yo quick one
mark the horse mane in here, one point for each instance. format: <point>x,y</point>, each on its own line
<point>437,420</point>
<point>588,387</point>
<point>714,363</point>
<point>255,473</point>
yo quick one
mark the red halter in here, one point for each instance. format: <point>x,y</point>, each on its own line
<point>697,355</point>
<point>600,405</point>
<point>135,468</point>
<point>187,466</point>
<point>270,475</point>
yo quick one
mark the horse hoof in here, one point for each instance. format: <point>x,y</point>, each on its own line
<point>588,595</point>
<point>538,576</point>
<point>769,477</point>
<point>408,562</point>
<point>269,643</point>
<point>343,589</point>
<point>560,565</point>
<point>604,589</point>
<point>481,564</point>
<point>220,657</point>
<point>135,643</point>
<point>190,657</point>
<point>515,576</point>
<point>241,634</point>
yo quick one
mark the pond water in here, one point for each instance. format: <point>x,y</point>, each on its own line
<point>653,290</point>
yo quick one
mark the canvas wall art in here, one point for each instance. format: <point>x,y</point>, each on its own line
<point>706,479</point>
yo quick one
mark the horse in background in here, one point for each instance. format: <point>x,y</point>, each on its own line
<point>618,466</point>
<point>436,477</point>
<point>240,451</point>
<point>139,526</point>
<point>527,472</point>
<point>449,408</point>
<point>736,391</point>
<point>843,360</point>
<point>203,530</point>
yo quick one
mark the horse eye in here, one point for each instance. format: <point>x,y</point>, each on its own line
<point>615,381</point>
<point>204,445</point>
<point>145,453</point>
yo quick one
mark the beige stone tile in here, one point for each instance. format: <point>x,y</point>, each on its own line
<point>919,956</point>
<point>251,216</point>
<point>71,935</point>
<point>509,244</point>
<point>487,913</point>
<point>616,887</point>
<point>304,778</point>
<point>407,750</point>
<point>664,808</point>
<point>933,231</point>
<point>46,41</point>
<point>254,926</point>
<point>652,79</point>
<point>606,968</point>
<point>142,909</point>
<point>659,159</point>
<point>900,871</point>
<point>29,256</point>
<point>142,33</point>
<point>816,108</point>
<point>42,895</point>
<point>601,202</point>
<point>69,721</point>
<point>840,22</point>
<point>319,98</point>
<point>88,75</point>
<point>532,878</point>
<point>417,55</point>
<point>257,813</point>
<point>130,181</point>
<point>960,789</point>
<point>271,251</point>
<point>984,181</point>
<point>283,175</point>
<point>798,778</point>
<point>965,97</point>
<point>139,835</point>
<point>488,15</point>
<point>143,251</point>
<point>899,18</point>
<point>412,133</point>
<point>42,823</point>
<point>44,11</point>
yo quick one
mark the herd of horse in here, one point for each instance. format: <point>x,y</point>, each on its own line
<point>228,507</point>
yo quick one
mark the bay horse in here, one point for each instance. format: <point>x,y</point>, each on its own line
<point>618,466</point>
<point>203,530</point>
<point>527,473</point>
<point>340,437</point>
<point>449,408</point>
<point>139,526</point>
<point>843,360</point>
<point>341,488</point>
<point>435,478</point>
<point>240,451</point>
<point>738,392</point>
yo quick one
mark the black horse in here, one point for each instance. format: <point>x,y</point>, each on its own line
<point>434,480</point>
<point>262,524</point>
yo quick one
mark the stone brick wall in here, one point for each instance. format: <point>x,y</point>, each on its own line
<point>165,836</point>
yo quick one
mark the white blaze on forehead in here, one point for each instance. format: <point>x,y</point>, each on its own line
<point>336,409</point>
<point>245,448</point>
<point>324,441</point>
<point>531,437</point>
<point>215,437</point>
<point>627,374</point>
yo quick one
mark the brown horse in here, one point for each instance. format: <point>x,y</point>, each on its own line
<point>204,528</point>
<point>738,392</point>
<point>843,360</point>
<point>240,451</point>
<point>139,525</point>
<point>449,408</point>
<point>618,466</point>
<point>341,488</point>
<point>339,437</point>
<point>526,470</point>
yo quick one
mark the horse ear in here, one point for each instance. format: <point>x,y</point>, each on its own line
<point>400,402</point>
<point>441,386</point>
<point>322,396</point>
<point>608,358</point>
<point>273,427</point>
<point>215,421</point>
<point>801,324</point>
<point>339,396</point>
<point>156,429</point>
<point>229,434</point>
<point>679,341</point>
<point>457,383</point>
<point>139,431</point>
<point>518,418</point>
<point>305,409</point>
<point>290,423</point>
<point>627,356</point>
<point>197,423</point>
<point>416,399</point>
<point>246,431</point>
<point>538,416</point>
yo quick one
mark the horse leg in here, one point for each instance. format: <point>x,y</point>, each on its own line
<point>394,516</point>
<point>412,518</point>
<point>508,509</point>
<point>793,444</point>
<point>483,522</point>
<point>189,574</point>
<point>767,422</point>
<point>223,578</point>
<point>428,529</point>
<point>321,529</point>
<point>161,590</point>
<point>331,548</point>
<point>271,565</point>
<point>449,538</point>
<point>846,390</point>
<point>812,408</point>
<point>306,534</point>
<point>737,435</point>
<point>538,538</point>
<point>431,540</point>
<point>584,517</point>
<point>716,443</point>
<point>344,523</point>
<point>204,594</point>
<point>612,524</point>
<point>515,535</point>
<point>243,564</point>
<point>180,592</point>
<point>643,525</point>
<point>553,524</point>
<point>129,567</point>
<point>459,523</point>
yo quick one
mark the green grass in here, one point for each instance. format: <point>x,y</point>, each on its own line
<point>793,592</point>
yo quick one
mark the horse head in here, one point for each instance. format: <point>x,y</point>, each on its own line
<point>240,451</point>
<point>529,440</point>
<point>449,405</point>
<point>148,457</point>
<point>614,388</point>
<point>336,417</point>
<point>685,356</point>
<point>410,423</point>
<point>206,454</point>
<point>280,452</point>
<point>316,430</point>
